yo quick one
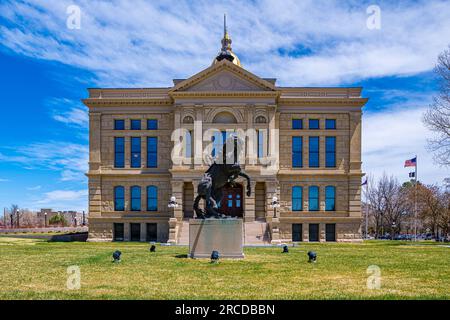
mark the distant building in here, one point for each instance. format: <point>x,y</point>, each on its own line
<point>73,218</point>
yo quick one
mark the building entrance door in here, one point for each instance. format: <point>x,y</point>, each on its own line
<point>232,202</point>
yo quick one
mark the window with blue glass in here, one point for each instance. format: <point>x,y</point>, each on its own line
<point>119,152</point>
<point>188,144</point>
<point>218,139</point>
<point>152,152</point>
<point>330,152</point>
<point>261,136</point>
<point>313,198</point>
<point>152,124</point>
<point>297,198</point>
<point>330,198</point>
<point>135,124</point>
<point>152,198</point>
<point>314,124</point>
<point>135,198</point>
<point>119,124</point>
<point>119,198</point>
<point>297,152</point>
<point>313,152</point>
<point>135,152</point>
<point>330,124</point>
<point>297,124</point>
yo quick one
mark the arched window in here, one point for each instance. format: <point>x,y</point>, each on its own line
<point>188,119</point>
<point>119,198</point>
<point>313,198</point>
<point>224,117</point>
<point>330,198</point>
<point>152,198</point>
<point>297,198</point>
<point>260,119</point>
<point>135,198</point>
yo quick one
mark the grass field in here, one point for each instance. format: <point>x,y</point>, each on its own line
<point>36,269</point>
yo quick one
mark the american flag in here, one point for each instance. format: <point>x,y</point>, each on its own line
<point>411,162</point>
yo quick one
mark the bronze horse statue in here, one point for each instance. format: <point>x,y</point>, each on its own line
<point>215,179</point>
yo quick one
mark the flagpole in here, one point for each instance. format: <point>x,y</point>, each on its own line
<point>415,201</point>
<point>367,206</point>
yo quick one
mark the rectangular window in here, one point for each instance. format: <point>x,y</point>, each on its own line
<point>218,139</point>
<point>119,124</point>
<point>297,198</point>
<point>314,152</point>
<point>135,152</point>
<point>297,124</point>
<point>152,152</point>
<point>313,194</point>
<point>135,231</point>
<point>119,198</point>
<point>119,152</point>
<point>152,232</point>
<point>152,124</point>
<point>330,124</point>
<point>330,152</point>
<point>313,232</point>
<point>330,232</point>
<point>135,125</point>
<point>188,144</point>
<point>261,142</point>
<point>297,152</point>
<point>135,198</point>
<point>330,198</point>
<point>314,124</point>
<point>152,198</point>
<point>297,232</point>
<point>118,232</point>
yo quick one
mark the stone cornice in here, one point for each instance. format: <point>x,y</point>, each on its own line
<point>224,94</point>
<point>356,102</point>
<point>101,102</point>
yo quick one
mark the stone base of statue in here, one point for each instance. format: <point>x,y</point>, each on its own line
<point>222,235</point>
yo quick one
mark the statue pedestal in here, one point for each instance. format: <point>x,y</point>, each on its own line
<point>222,235</point>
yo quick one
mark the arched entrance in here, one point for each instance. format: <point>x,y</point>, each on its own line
<point>232,201</point>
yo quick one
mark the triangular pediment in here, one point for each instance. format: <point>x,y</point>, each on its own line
<point>223,76</point>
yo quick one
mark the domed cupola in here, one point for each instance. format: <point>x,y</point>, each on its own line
<point>226,52</point>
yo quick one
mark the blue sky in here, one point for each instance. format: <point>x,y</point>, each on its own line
<point>46,68</point>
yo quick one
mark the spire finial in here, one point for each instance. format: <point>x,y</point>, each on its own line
<point>224,24</point>
<point>226,41</point>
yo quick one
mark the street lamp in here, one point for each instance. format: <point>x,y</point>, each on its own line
<point>275,204</point>
<point>45,219</point>
<point>173,202</point>
<point>393,230</point>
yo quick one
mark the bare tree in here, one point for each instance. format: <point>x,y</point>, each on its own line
<point>432,204</point>
<point>437,117</point>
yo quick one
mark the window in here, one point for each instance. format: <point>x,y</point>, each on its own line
<point>135,152</point>
<point>218,139</point>
<point>297,232</point>
<point>119,152</point>
<point>188,144</point>
<point>135,125</point>
<point>262,134</point>
<point>330,124</point>
<point>313,198</point>
<point>119,198</point>
<point>152,152</point>
<point>330,152</point>
<point>297,198</point>
<point>330,232</point>
<point>119,124</point>
<point>297,124</point>
<point>188,119</point>
<point>152,198</point>
<point>314,152</point>
<point>314,124</point>
<point>118,232</point>
<point>260,119</point>
<point>152,124</point>
<point>135,198</point>
<point>297,152</point>
<point>330,198</point>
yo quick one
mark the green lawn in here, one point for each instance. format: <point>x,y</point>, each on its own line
<point>36,269</point>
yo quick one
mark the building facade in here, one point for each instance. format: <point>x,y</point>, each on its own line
<point>311,138</point>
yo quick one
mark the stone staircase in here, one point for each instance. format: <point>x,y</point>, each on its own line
<point>183,232</point>
<point>256,233</point>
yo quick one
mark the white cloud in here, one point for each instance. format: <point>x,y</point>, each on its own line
<point>142,43</point>
<point>35,188</point>
<point>69,112</point>
<point>63,200</point>
<point>68,158</point>
<point>391,137</point>
<point>3,180</point>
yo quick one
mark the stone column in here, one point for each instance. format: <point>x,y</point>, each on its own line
<point>173,231</point>
<point>95,125</point>
<point>126,231</point>
<point>143,232</point>
<point>305,230</point>
<point>322,232</point>
<point>249,202</point>
<point>177,192</point>
<point>272,189</point>
<point>275,226</point>
<point>197,139</point>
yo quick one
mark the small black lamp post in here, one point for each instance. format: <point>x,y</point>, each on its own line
<point>393,230</point>
<point>84,219</point>
<point>45,219</point>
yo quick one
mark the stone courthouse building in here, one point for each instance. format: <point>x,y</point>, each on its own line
<point>312,135</point>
